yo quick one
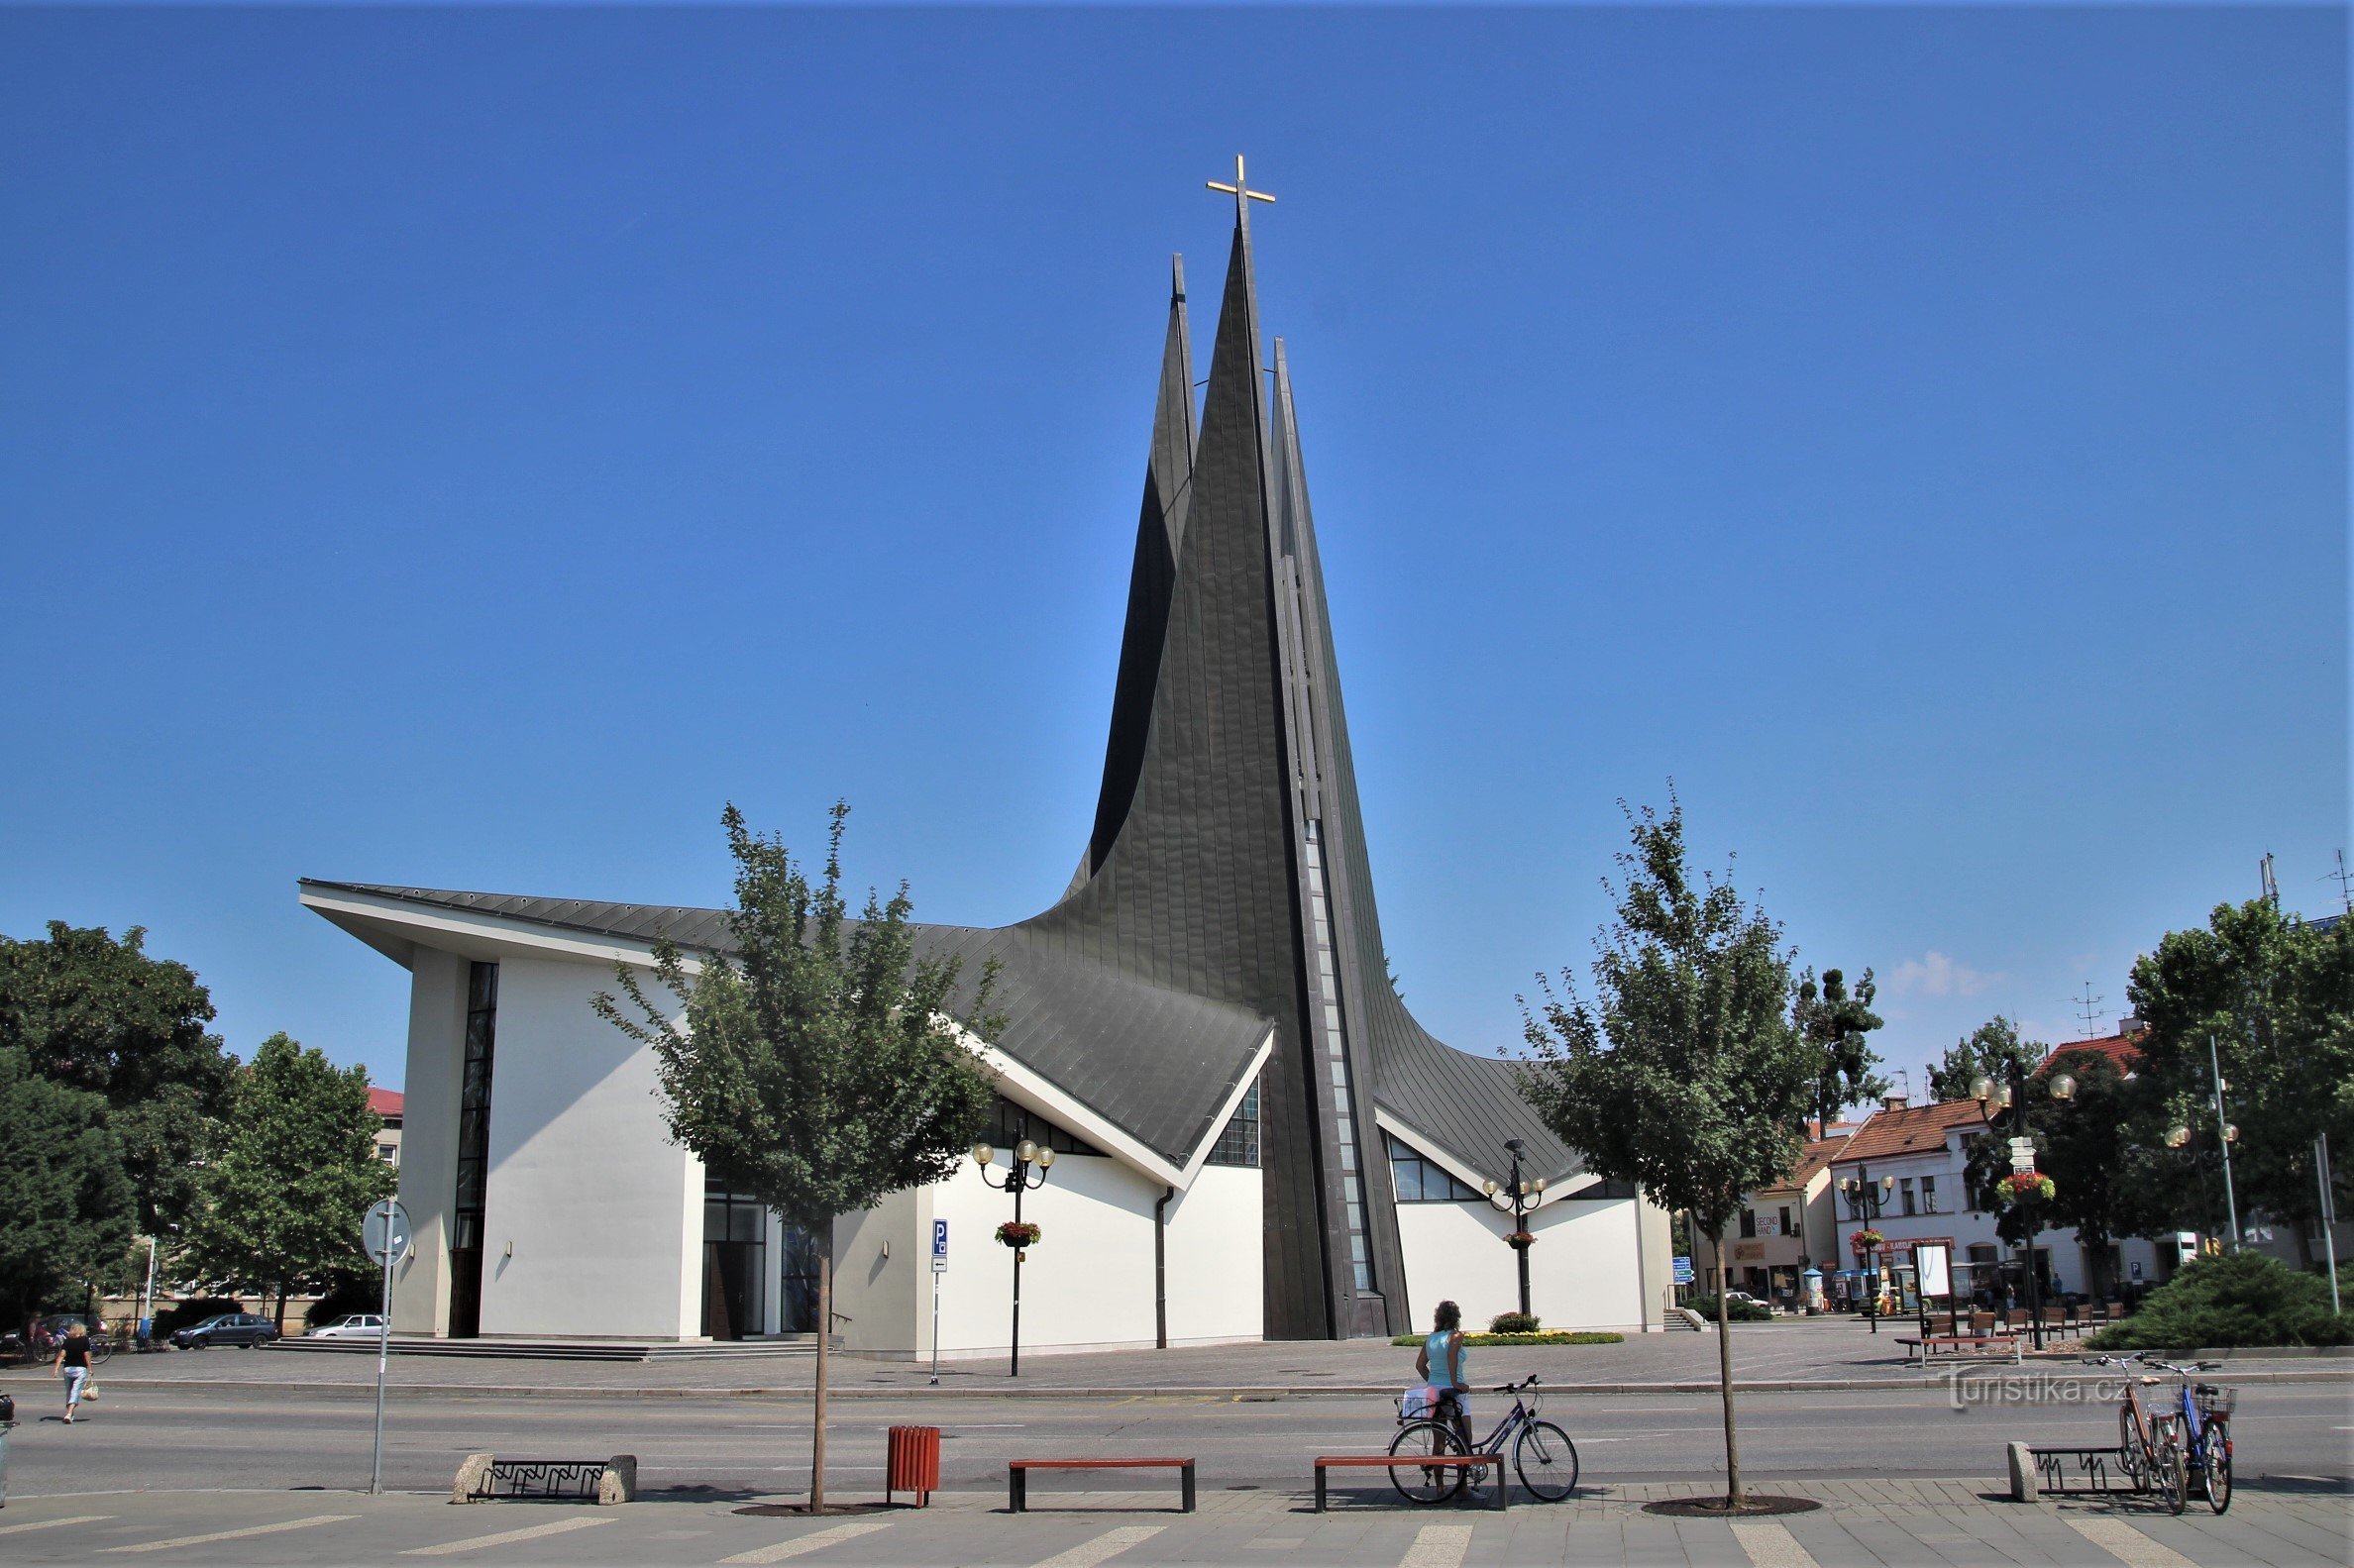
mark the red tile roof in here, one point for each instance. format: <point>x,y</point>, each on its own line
<point>2120,1049</point>
<point>385,1102</point>
<point>1916,1129</point>
<point>1811,1158</point>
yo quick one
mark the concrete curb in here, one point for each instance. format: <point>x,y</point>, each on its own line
<point>1247,1393</point>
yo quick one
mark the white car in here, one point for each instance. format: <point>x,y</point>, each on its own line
<point>360,1325</point>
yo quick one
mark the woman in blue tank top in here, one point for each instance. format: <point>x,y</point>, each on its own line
<point>1444,1362</point>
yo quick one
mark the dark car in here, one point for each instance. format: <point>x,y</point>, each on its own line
<point>230,1329</point>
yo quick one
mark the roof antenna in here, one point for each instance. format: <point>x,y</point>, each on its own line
<point>2088,1008</point>
<point>2272,885</point>
<point>2341,878</point>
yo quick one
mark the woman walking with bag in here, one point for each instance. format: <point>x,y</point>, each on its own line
<point>74,1365</point>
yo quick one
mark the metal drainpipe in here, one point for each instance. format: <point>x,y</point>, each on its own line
<point>1160,1269</point>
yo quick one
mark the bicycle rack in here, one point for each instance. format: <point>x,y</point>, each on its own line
<point>2097,1471</point>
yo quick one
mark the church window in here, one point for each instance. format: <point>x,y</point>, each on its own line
<point>474,1152</point>
<point>1238,1142</point>
<point>1016,1122</point>
<point>1421,1179</point>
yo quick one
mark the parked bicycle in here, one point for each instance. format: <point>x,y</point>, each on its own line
<point>2152,1443</point>
<point>2199,1414</point>
<point>1542,1453</point>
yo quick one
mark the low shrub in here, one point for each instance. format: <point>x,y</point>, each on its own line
<point>2240,1298</point>
<point>1558,1336</point>
<point>1742,1312</point>
<point>1513,1324</point>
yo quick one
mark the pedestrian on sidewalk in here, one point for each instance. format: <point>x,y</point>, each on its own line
<point>74,1365</point>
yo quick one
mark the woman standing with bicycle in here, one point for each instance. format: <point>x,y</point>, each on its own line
<point>1440,1362</point>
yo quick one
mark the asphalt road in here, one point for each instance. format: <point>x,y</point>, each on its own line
<point>158,1437</point>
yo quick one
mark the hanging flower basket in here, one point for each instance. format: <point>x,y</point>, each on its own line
<point>2025,1186</point>
<point>1867,1240</point>
<point>1017,1233</point>
<point>1520,1241</point>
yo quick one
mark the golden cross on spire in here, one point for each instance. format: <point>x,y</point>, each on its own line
<point>1240,189</point>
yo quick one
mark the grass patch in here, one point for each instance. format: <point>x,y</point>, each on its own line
<point>1475,1341</point>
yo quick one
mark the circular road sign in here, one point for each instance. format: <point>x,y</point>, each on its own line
<point>385,1234</point>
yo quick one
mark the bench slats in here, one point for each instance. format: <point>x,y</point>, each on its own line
<point>1412,1462</point>
<point>1018,1476</point>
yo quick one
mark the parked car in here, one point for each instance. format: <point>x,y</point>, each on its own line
<point>360,1325</point>
<point>1739,1298</point>
<point>229,1328</point>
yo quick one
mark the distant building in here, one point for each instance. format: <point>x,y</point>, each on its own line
<point>385,1102</point>
<point>1784,1230</point>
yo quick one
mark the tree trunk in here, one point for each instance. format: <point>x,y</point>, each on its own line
<point>824,1336</point>
<point>1725,1372</point>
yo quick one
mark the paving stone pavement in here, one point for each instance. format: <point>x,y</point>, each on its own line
<point>1864,1523</point>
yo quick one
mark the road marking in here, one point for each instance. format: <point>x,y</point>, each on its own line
<point>50,1524</point>
<point>807,1543</point>
<point>1771,1545</point>
<point>2127,1544</point>
<point>476,1542</point>
<point>1438,1546</point>
<point>230,1536</point>
<point>1109,1544</point>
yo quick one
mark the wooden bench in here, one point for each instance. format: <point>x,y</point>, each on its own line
<point>1018,1476</point>
<point>1923,1346</point>
<point>1410,1462</point>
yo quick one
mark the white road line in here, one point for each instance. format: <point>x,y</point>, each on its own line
<point>1438,1546</point>
<point>2129,1545</point>
<point>1109,1544</point>
<point>1771,1545</point>
<point>476,1542</point>
<point>50,1524</point>
<point>815,1541</point>
<point>231,1535</point>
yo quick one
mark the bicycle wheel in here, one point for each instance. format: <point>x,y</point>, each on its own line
<point>1546,1461</point>
<point>2214,1462</point>
<point>2170,1467</point>
<point>1425,1484</point>
<point>2129,1450</point>
<point>101,1351</point>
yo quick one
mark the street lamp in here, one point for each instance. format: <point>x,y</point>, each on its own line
<point>2002,1106</point>
<point>1029,1170</point>
<point>1865,1202</point>
<point>1517,1198</point>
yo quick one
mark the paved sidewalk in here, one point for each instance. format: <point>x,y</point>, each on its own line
<point>1820,1354</point>
<point>1862,1525</point>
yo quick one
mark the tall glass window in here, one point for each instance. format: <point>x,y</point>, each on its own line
<point>735,1263</point>
<point>474,1153</point>
<point>1328,995</point>
<point>1238,1141</point>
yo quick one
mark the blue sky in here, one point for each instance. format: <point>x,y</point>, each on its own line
<point>465,449</point>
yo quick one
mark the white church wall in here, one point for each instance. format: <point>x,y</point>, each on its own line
<point>429,1143</point>
<point>1583,1272</point>
<point>1216,1259</point>
<point>883,1275</point>
<point>593,1217</point>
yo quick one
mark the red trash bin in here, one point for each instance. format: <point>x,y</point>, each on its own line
<point>913,1463</point>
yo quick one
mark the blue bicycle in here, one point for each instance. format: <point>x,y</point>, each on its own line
<point>2186,1438</point>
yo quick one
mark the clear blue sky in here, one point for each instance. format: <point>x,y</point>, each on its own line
<point>465,449</point>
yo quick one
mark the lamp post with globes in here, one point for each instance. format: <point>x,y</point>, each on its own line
<point>1030,1161</point>
<point>1865,1201</point>
<point>1517,1198</point>
<point>2002,1106</point>
<point>2226,1135</point>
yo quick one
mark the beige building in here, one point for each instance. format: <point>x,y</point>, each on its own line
<point>1782,1231</point>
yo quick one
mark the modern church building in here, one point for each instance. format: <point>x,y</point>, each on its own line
<point>1254,1137</point>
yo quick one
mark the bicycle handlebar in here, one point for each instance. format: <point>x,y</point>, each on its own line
<point>1528,1382</point>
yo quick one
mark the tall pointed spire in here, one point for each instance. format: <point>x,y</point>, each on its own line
<point>1168,481</point>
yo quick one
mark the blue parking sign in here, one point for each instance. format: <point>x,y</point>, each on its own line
<point>939,1246</point>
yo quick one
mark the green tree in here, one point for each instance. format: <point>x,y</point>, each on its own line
<point>1683,1073</point>
<point>101,1015</point>
<point>282,1200</point>
<point>1990,1050</point>
<point>2276,995</point>
<point>816,1066</point>
<point>1838,1026</point>
<point>65,1205</point>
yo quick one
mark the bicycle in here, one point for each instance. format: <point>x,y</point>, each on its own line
<point>2202,1419</point>
<point>1542,1453</point>
<point>2149,1444</point>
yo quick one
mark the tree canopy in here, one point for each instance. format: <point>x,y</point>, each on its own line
<point>1993,1048</point>
<point>65,1205</point>
<point>1836,1025</point>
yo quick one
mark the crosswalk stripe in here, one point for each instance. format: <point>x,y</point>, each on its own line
<point>1771,1545</point>
<point>1439,1546</point>
<point>534,1532</point>
<point>50,1524</point>
<point>1109,1544</point>
<point>2129,1545</point>
<point>231,1535</point>
<point>815,1541</point>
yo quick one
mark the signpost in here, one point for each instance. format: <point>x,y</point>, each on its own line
<point>384,1234</point>
<point>1684,1271</point>
<point>940,1260</point>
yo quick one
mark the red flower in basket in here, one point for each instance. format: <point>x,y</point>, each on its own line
<point>2022,1187</point>
<point>1867,1240</point>
<point>1520,1241</point>
<point>1017,1233</point>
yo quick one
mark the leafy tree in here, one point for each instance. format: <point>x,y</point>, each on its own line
<point>816,1066</point>
<point>283,1199</point>
<point>1836,1025</point>
<point>2277,997</point>
<point>66,1207</point>
<point>1991,1049</point>
<point>1683,1073</point>
<point>101,1015</point>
